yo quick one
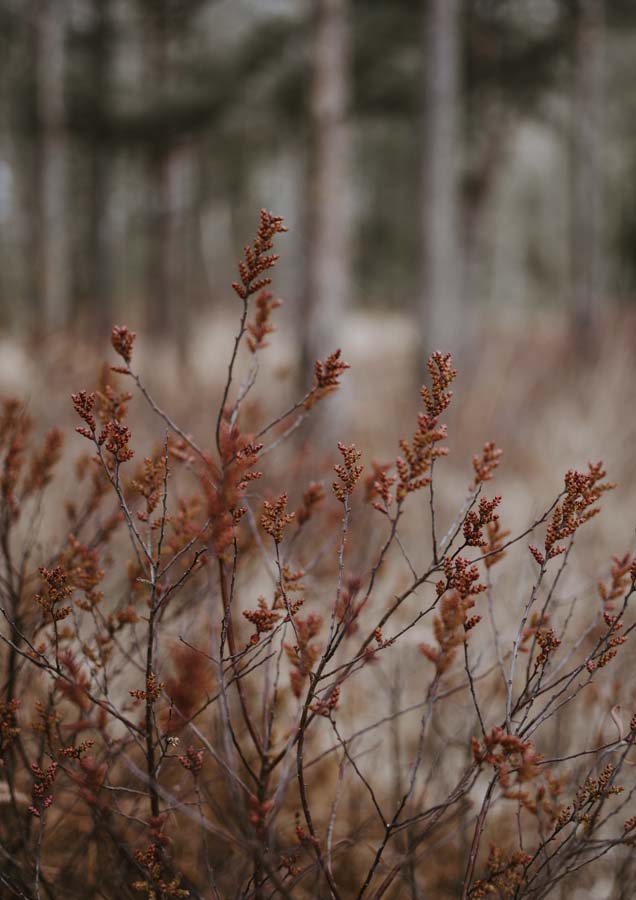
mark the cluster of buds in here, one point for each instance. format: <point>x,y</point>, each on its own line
<point>475,522</point>
<point>15,426</point>
<point>461,576</point>
<point>290,583</point>
<point>116,437</point>
<point>548,643</point>
<point>123,340</point>
<point>546,797</point>
<point>304,654</point>
<point>110,404</point>
<point>162,883</point>
<point>327,375</point>
<point>507,753</point>
<point>263,619</point>
<point>594,790</point>
<point>148,484</point>
<point>485,464</point>
<point>610,644</point>
<point>450,628</point>
<point>377,486</point>
<point>621,577</point>
<point>325,707</point>
<point>495,539</point>
<point>117,620</point>
<point>258,330</point>
<point>582,491</point>
<point>418,456</point>
<point>537,621</point>
<point>437,398</point>
<point>81,567</point>
<point>57,590</point>
<point>224,488</point>
<point>452,624</point>
<point>46,722</point>
<point>153,689</point>
<point>192,761</point>
<point>114,434</point>
<point>258,813</point>
<point>348,472</point>
<point>302,837</point>
<point>288,863</point>
<point>84,404</point>
<point>275,517</point>
<point>505,874</point>
<point>76,751</point>
<point>43,780</point>
<point>257,259</point>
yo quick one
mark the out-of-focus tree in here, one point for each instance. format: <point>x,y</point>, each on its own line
<point>509,63</point>
<point>165,25</point>
<point>441,258</point>
<point>166,110</point>
<point>328,198</point>
<point>586,167</point>
<point>95,44</point>
<point>50,234</point>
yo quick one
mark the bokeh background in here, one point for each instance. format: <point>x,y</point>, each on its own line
<point>449,160</point>
<point>455,174</point>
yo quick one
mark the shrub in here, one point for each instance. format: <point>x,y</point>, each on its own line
<point>214,688</point>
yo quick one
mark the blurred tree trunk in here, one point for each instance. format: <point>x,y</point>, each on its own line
<point>168,288</point>
<point>490,130</point>
<point>586,168</point>
<point>328,224</point>
<point>157,299</point>
<point>99,283</point>
<point>49,233</point>
<point>439,308</point>
<point>169,181</point>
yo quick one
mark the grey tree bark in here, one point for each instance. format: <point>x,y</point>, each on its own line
<point>439,307</point>
<point>51,237</point>
<point>586,168</point>
<point>98,272</point>
<point>328,263</point>
<point>170,176</point>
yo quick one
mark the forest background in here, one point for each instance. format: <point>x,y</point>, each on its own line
<point>452,163</point>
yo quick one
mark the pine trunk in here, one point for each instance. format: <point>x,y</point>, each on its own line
<point>439,313</point>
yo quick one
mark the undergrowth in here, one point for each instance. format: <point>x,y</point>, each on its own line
<point>225,679</point>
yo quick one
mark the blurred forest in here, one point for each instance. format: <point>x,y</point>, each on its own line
<point>451,160</point>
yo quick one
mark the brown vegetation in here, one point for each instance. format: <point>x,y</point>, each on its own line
<point>227,678</point>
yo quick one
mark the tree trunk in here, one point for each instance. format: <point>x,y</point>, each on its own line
<point>51,238</point>
<point>170,197</point>
<point>586,167</point>
<point>97,265</point>
<point>328,264</point>
<point>439,310</point>
<point>491,129</point>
